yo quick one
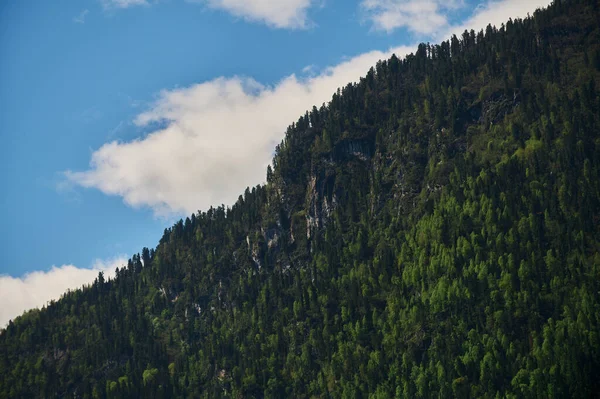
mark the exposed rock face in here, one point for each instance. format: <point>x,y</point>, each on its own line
<point>312,217</point>
<point>495,108</point>
<point>320,205</point>
<point>254,252</point>
<point>322,190</point>
<point>255,258</point>
<point>362,149</point>
<point>272,236</point>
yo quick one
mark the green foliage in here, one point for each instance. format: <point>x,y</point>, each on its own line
<point>433,231</point>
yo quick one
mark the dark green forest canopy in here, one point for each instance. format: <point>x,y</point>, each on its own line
<point>433,231</point>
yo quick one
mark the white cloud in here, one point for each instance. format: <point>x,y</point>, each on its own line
<point>80,19</point>
<point>276,13</point>
<point>123,3</point>
<point>420,16</point>
<point>211,140</point>
<point>430,17</point>
<point>289,14</point>
<point>36,289</point>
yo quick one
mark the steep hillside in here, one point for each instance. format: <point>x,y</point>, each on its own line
<point>433,231</point>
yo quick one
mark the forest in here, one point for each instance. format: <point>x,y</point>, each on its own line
<point>431,232</point>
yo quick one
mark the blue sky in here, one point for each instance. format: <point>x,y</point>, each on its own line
<point>117,117</point>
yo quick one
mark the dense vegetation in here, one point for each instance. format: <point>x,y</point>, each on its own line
<point>433,231</point>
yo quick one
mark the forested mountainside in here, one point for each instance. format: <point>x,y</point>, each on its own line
<point>433,231</point>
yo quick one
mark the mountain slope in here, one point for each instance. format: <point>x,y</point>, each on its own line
<point>433,231</point>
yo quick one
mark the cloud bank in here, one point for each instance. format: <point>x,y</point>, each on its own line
<point>420,16</point>
<point>209,141</point>
<point>291,14</point>
<point>35,289</point>
<point>284,14</point>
